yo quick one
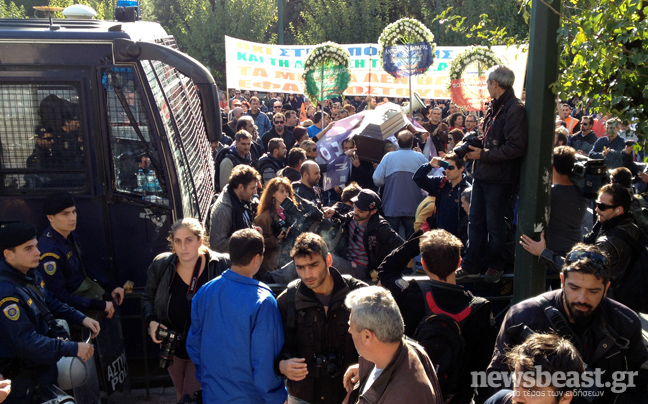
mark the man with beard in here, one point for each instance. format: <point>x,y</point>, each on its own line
<point>606,333</point>
<point>317,348</point>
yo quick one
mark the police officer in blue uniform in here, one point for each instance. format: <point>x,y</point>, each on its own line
<point>31,341</point>
<point>61,264</point>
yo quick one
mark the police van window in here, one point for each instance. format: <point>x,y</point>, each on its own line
<point>42,141</point>
<point>179,105</point>
<point>133,155</point>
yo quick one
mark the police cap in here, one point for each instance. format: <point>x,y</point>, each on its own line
<point>15,234</point>
<point>57,202</point>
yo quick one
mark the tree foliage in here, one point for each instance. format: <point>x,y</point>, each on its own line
<point>11,10</point>
<point>604,55</point>
<point>200,26</point>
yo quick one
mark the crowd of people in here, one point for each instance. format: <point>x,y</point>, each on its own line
<point>440,203</point>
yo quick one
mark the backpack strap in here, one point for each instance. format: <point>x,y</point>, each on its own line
<point>431,307</point>
<point>291,314</point>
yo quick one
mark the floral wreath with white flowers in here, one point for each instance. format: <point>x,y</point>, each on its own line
<point>484,57</point>
<point>405,31</point>
<point>325,54</point>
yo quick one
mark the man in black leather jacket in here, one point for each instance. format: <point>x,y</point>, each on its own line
<point>496,175</point>
<point>318,348</point>
<point>367,238</point>
<point>607,334</point>
<point>615,225</point>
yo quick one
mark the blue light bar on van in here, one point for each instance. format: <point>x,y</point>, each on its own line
<point>127,11</point>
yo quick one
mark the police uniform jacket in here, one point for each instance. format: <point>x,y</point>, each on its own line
<point>63,270</point>
<point>612,341</point>
<point>24,326</point>
<point>318,333</point>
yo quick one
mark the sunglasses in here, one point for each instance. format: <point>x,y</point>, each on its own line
<point>604,207</point>
<point>237,93</point>
<point>276,106</point>
<point>279,122</point>
<point>451,168</point>
<point>579,255</point>
<point>314,149</point>
<point>48,139</point>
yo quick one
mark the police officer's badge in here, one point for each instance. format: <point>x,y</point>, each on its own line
<point>50,267</point>
<point>12,312</point>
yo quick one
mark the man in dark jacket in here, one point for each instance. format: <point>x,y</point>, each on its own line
<point>441,254</point>
<point>278,130</point>
<point>584,140</point>
<point>232,211</point>
<point>447,191</point>
<point>31,341</point>
<point>317,348</point>
<point>607,334</point>
<point>496,176</point>
<point>272,161</point>
<point>367,238</point>
<point>296,157</point>
<point>612,232</point>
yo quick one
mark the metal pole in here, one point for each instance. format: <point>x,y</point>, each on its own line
<point>535,182</point>
<point>280,23</point>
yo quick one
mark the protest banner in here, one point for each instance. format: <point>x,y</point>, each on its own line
<point>278,68</point>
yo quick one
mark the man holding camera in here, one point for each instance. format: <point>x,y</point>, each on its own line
<point>607,334</point>
<point>31,341</point>
<point>446,189</point>
<point>496,173</point>
<point>318,348</point>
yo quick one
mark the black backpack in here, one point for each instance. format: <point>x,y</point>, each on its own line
<point>440,333</point>
<point>222,154</point>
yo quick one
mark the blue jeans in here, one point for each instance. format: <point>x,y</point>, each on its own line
<point>407,221</point>
<point>489,204</point>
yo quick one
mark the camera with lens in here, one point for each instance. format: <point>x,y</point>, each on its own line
<point>329,364</point>
<point>471,139</point>
<point>588,176</point>
<point>169,340</point>
<point>279,226</point>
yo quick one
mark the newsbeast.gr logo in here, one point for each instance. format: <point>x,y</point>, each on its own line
<point>584,384</point>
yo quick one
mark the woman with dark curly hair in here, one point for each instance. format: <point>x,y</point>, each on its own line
<point>456,121</point>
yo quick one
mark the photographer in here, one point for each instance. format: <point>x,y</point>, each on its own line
<point>496,173</point>
<point>172,280</point>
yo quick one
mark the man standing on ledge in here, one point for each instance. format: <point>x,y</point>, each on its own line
<point>496,176</point>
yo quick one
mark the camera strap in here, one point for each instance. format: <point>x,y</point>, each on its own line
<point>22,289</point>
<point>193,284</point>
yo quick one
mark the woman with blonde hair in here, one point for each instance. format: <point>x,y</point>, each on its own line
<point>270,216</point>
<point>171,282</point>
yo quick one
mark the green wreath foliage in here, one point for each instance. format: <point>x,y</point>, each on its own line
<point>326,59</point>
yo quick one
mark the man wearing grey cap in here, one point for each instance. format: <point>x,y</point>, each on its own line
<point>61,265</point>
<point>31,341</point>
<point>367,239</point>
